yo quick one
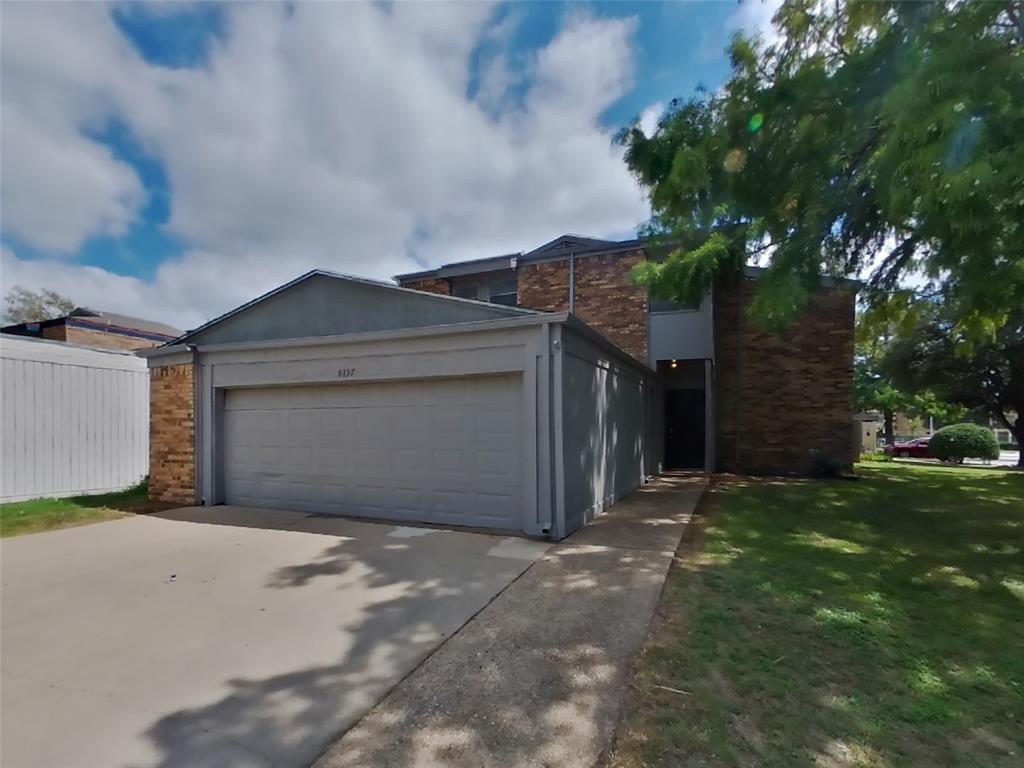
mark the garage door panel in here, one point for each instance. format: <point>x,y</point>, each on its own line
<point>446,451</point>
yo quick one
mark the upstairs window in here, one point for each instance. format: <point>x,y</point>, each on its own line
<point>505,291</point>
<point>466,290</point>
<point>664,305</point>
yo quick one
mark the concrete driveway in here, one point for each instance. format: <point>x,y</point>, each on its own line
<point>173,641</point>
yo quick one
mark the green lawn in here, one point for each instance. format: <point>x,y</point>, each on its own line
<point>838,623</point>
<point>47,514</point>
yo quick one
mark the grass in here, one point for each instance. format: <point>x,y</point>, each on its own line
<point>48,514</point>
<point>839,624</point>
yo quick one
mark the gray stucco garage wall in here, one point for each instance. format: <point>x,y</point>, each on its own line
<point>585,406</point>
<point>323,305</point>
<point>608,436</point>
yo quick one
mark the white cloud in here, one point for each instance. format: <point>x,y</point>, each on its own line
<point>496,78</point>
<point>649,118</point>
<point>333,135</point>
<point>59,187</point>
<point>755,16</point>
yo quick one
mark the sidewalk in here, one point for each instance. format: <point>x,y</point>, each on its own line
<point>537,678</point>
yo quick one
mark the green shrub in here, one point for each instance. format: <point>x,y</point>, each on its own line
<point>962,441</point>
<point>875,456</point>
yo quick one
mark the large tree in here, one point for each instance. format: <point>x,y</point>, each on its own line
<point>877,138</point>
<point>988,376</point>
<point>24,306</point>
<point>876,388</point>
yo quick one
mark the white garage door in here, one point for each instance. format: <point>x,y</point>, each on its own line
<point>440,451</point>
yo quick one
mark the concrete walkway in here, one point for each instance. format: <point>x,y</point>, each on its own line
<point>537,678</point>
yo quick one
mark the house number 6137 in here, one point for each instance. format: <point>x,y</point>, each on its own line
<point>346,373</point>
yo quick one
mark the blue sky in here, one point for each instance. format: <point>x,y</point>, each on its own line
<point>175,159</point>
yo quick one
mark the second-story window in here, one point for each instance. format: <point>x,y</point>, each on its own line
<point>664,305</point>
<point>504,290</point>
<point>466,290</point>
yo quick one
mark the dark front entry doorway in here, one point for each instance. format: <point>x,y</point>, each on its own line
<point>684,429</point>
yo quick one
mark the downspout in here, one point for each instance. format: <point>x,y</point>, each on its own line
<point>197,443</point>
<point>546,521</point>
<point>558,512</point>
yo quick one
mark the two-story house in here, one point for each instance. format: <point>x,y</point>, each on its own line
<point>523,392</point>
<point>734,397</point>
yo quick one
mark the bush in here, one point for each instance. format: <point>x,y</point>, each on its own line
<point>962,441</point>
<point>875,456</point>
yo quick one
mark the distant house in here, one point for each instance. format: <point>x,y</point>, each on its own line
<point>868,428</point>
<point>98,329</point>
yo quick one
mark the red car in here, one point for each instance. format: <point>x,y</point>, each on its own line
<point>917,448</point>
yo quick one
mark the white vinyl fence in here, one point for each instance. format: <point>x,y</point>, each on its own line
<point>74,420</point>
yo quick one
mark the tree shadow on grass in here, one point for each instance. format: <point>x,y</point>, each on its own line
<point>840,624</point>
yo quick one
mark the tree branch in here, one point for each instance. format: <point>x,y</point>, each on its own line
<point>888,271</point>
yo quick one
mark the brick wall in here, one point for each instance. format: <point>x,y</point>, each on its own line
<point>544,285</point>
<point>105,340</point>
<point>605,297</point>
<point>430,285</point>
<point>172,420</point>
<point>95,338</point>
<point>54,333</point>
<point>793,392</point>
<point>608,301</point>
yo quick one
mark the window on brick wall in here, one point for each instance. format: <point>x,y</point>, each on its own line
<point>466,290</point>
<point>664,305</point>
<point>504,290</point>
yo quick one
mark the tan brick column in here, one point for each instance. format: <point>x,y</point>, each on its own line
<point>172,434</point>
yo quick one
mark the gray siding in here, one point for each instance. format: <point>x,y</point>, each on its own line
<point>325,306</point>
<point>608,417</point>
<point>422,356</point>
<point>586,409</point>
<point>74,420</point>
<point>682,335</point>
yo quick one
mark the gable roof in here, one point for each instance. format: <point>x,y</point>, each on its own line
<point>497,309</point>
<point>570,243</point>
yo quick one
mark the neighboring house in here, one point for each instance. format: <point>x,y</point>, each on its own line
<point>98,329</point>
<point>869,428</point>
<point>1005,436</point>
<point>907,427</point>
<point>521,392</point>
<point>75,420</point>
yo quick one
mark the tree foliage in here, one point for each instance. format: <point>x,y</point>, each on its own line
<point>876,138</point>
<point>875,389</point>
<point>24,306</point>
<point>935,354</point>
